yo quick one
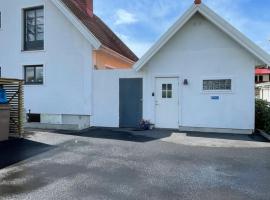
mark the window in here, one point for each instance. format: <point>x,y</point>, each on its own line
<point>33,117</point>
<point>166,91</point>
<point>220,84</point>
<point>34,29</point>
<point>260,79</point>
<point>33,75</point>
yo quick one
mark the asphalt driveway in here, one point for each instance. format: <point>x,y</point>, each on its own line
<point>114,164</point>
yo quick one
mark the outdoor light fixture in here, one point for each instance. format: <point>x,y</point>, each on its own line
<point>185,82</point>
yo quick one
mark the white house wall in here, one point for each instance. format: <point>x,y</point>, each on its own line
<point>67,60</point>
<point>200,50</point>
<point>106,96</point>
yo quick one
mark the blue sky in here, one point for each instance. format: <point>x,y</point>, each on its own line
<point>139,23</point>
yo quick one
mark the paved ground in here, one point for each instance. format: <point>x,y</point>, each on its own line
<point>16,150</point>
<point>106,164</point>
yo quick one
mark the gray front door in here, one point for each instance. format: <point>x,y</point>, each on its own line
<point>130,102</point>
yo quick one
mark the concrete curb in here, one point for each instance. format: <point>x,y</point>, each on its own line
<point>264,134</point>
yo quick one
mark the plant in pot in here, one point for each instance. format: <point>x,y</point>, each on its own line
<point>146,125</point>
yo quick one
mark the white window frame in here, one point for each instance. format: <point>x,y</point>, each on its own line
<point>217,91</point>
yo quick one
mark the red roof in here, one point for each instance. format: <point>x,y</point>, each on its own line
<point>99,29</point>
<point>262,71</point>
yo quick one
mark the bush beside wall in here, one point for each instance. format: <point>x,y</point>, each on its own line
<point>262,118</point>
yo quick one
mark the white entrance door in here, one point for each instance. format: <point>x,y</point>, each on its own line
<point>167,103</point>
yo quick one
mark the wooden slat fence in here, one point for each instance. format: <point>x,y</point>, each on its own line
<point>14,90</point>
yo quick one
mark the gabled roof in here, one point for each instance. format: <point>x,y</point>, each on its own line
<point>98,31</point>
<point>215,19</point>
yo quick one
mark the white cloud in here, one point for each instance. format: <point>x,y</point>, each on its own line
<point>155,17</point>
<point>125,17</point>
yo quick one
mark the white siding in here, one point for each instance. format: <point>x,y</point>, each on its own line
<point>198,51</point>
<point>67,60</point>
<point>106,96</point>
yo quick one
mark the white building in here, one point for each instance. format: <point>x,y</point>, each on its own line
<point>263,91</point>
<point>262,80</point>
<point>198,76</point>
<point>54,45</point>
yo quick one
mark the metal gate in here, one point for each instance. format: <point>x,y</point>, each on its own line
<point>130,102</point>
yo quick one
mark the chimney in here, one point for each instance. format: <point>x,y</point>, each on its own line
<point>89,7</point>
<point>197,2</point>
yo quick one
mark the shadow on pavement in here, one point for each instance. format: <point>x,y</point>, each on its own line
<point>132,135</point>
<point>16,150</point>
<point>106,133</point>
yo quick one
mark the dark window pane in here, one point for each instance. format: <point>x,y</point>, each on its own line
<point>40,36</point>
<point>163,86</point>
<point>34,29</point>
<point>30,74</point>
<point>39,75</point>
<point>39,13</point>
<point>164,94</point>
<point>33,74</point>
<point>222,84</point>
<point>169,86</point>
<point>30,37</point>
<point>30,14</point>
<point>39,20</point>
<point>169,94</point>
<point>39,29</point>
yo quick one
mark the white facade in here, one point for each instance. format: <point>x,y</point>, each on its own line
<point>106,96</point>
<point>263,91</point>
<point>193,50</point>
<point>196,52</point>
<point>201,51</point>
<point>66,60</point>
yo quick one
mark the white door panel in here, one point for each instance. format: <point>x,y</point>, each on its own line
<point>167,103</point>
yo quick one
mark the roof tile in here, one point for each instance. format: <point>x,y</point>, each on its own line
<point>99,29</point>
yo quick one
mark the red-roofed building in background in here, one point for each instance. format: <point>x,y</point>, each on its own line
<point>262,80</point>
<point>113,53</point>
<point>262,75</point>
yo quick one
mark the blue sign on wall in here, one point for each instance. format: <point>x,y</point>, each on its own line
<point>215,97</point>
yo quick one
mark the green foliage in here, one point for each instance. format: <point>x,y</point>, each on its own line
<point>262,115</point>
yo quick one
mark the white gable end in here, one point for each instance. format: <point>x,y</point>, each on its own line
<point>202,51</point>
<point>221,24</point>
<point>200,41</point>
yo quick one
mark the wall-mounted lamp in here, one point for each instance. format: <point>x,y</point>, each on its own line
<point>185,82</point>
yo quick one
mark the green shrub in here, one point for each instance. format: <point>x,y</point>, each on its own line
<point>262,118</point>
